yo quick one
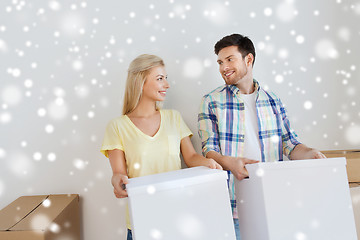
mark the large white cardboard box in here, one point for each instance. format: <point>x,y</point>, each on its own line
<point>355,197</point>
<point>191,203</point>
<point>305,199</point>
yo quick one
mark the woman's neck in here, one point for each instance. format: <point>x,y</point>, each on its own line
<point>144,109</point>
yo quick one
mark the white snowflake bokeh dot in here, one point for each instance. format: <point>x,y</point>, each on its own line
<point>51,157</point>
<point>156,234</point>
<point>5,117</point>
<point>79,164</point>
<point>286,11</point>
<point>268,12</point>
<point>2,188</point>
<point>308,105</point>
<point>37,156</point>
<point>352,135</point>
<point>46,203</point>
<point>193,68</point>
<point>20,165</point>
<point>2,153</point>
<point>11,95</point>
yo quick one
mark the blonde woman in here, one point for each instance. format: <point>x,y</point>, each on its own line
<point>146,139</point>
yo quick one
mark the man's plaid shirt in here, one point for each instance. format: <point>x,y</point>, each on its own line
<point>221,123</point>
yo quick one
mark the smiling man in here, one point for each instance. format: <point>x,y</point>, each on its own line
<point>240,123</point>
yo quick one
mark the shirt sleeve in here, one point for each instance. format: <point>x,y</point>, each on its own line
<point>184,129</point>
<point>112,139</point>
<point>289,137</point>
<point>208,127</point>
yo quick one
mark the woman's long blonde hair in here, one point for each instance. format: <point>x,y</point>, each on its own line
<point>138,70</point>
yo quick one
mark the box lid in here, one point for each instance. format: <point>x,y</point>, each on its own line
<point>174,179</point>
<point>18,209</point>
<point>33,212</point>
<point>296,164</point>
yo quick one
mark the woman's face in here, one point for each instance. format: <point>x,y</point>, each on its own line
<point>156,84</point>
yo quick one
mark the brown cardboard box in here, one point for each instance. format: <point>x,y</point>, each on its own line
<point>45,217</point>
<point>355,197</point>
<point>352,162</point>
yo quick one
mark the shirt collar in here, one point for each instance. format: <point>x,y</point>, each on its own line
<point>235,90</point>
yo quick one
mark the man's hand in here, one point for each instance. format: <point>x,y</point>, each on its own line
<point>301,151</point>
<point>118,181</point>
<point>314,154</point>
<point>237,166</point>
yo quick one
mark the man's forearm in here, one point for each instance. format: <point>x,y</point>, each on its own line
<point>298,152</point>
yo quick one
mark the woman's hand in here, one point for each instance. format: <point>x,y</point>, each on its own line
<point>211,163</point>
<point>118,181</point>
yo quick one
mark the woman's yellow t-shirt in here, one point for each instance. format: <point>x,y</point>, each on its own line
<point>146,155</point>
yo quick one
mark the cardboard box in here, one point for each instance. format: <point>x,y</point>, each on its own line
<point>186,204</point>
<point>352,159</point>
<point>304,199</point>
<point>355,197</point>
<point>45,217</point>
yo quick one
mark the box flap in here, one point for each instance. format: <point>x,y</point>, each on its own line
<point>342,152</point>
<point>357,184</point>
<point>18,209</point>
<point>173,179</point>
<point>353,162</point>
<point>45,213</point>
<point>23,235</point>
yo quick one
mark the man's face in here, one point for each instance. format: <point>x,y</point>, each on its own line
<point>232,65</point>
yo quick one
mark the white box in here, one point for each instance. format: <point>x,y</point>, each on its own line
<point>355,197</point>
<point>305,199</point>
<point>191,203</point>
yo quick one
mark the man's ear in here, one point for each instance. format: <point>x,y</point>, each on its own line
<point>249,59</point>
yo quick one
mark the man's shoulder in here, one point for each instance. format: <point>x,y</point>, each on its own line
<point>217,91</point>
<point>269,94</point>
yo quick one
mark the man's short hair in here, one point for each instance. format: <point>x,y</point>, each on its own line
<point>244,44</point>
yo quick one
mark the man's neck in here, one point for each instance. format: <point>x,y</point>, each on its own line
<point>247,86</point>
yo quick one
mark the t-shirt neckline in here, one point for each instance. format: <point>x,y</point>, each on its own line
<point>141,132</point>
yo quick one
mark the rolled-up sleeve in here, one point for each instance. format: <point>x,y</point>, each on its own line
<point>208,126</point>
<point>112,139</point>
<point>289,137</point>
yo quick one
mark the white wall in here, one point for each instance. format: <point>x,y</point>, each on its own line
<point>63,67</point>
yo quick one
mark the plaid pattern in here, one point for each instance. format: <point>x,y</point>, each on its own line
<point>221,123</point>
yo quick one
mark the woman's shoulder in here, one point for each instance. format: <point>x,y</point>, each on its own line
<point>171,115</point>
<point>170,112</point>
<point>118,120</point>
